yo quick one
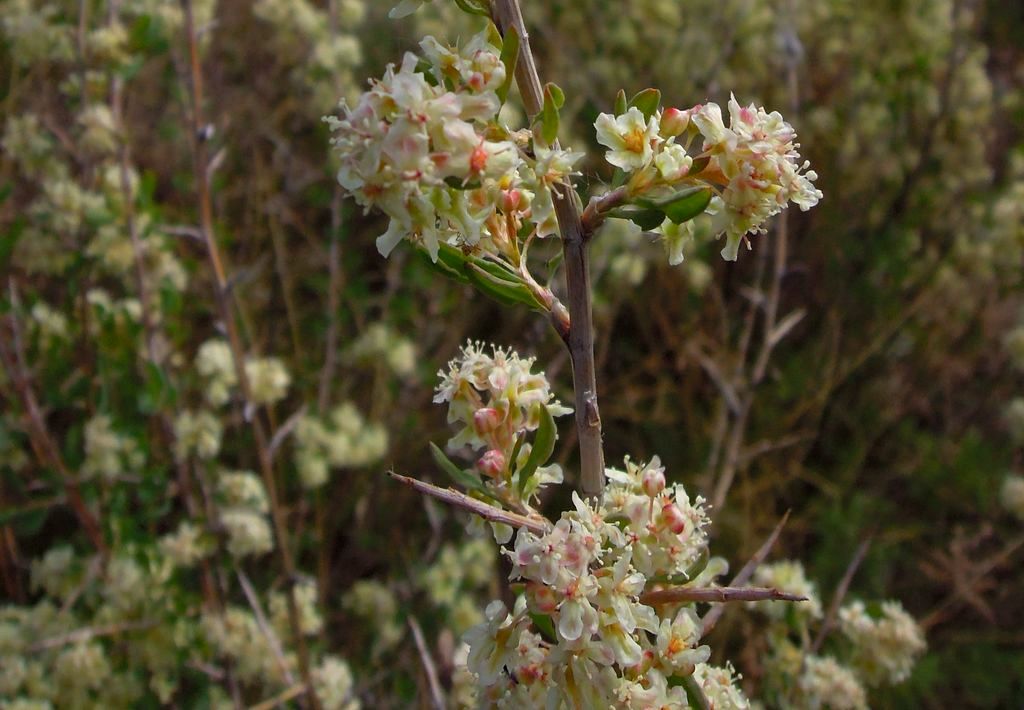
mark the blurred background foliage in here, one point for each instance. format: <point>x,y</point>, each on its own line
<point>885,409</point>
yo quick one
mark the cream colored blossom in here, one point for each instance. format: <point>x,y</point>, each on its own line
<point>215,363</point>
<point>885,649</point>
<point>268,379</point>
<point>630,138</point>
<point>197,432</point>
<point>825,684</point>
<point>1011,495</point>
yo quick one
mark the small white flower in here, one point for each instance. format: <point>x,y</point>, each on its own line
<point>629,137</point>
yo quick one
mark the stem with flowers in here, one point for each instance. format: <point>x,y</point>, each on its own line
<point>605,596</point>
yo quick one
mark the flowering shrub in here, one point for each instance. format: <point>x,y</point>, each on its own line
<point>203,369</point>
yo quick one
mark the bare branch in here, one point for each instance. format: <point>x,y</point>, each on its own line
<point>436,694</point>
<point>454,498</point>
<point>744,575</point>
<point>678,595</point>
<point>508,15</point>
<point>840,594</point>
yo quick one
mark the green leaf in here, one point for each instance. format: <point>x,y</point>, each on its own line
<point>464,478</point>
<point>472,8</point>
<point>619,177</point>
<point>543,447</point>
<point>491,278</point>
<point>545,625</point>
<point>509,57</point>
<point>684,205</point>
<point>157,392</point>
<point>503,291</point>
<point>694,693</point>
<point>648,101</point>
<point>620,103</point>
<point>450,261</point>
<point>557,95</point>
<point>644,217</point>
<point>549,114</point>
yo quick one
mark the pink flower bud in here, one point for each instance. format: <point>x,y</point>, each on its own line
<point>673,517</point>
<point>510,200</point>
<point>492,463</point>
<point>653,481</point>
<point>478,159</point>
<point>486,420</point>
<point>674,122</point>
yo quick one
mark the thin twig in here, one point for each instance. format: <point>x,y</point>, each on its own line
<point>486,511</point>
<point>12,354</point>
<point>744,575</point>
<point>86,634</point>
<point>678,595</point>
<point>265,627</point>
<point>840,594</point>
<point>436,694</point>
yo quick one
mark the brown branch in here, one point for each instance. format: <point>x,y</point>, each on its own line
<point>436,694</point>
<point>744,575</point>
<point>265,627</point>
<point>840,594</point>
<point>678,595</point>
<point>454,498</point>
<point>508,15</point>
<point>12,354</point>
<point>225,306</point>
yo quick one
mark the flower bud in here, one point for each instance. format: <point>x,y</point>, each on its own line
<point>653,480</point>
<point>486,420</point>
<point>510,200</point>
<point>673,517</point>
<point>492,463</point>
<point>674,122</point>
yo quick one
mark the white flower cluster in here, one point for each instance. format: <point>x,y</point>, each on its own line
<point>579,634</point>
<point>876,652</point>
<point>52,325</point>
<point>344,439</point>
<point>719,684</point>
<point>497,400</point>
<point>215,364</point>
<point>826,683</point>
<point>306,602</point>
<point>268,379</point>
<point>787,576</point>
<point>334,685</point>
<point>375,603</point>
<point>323,47</point>
<point>885,649</point>
<point>424,146</point>
<point>379,343</point>
<point>185,546</point>
<point>197,432</point>
<point>452,579</point>
<point>107,453</point>
<point>236,635</point>
<point>1011,495</point>
<point>751,166</point>
<point>244,514</point>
